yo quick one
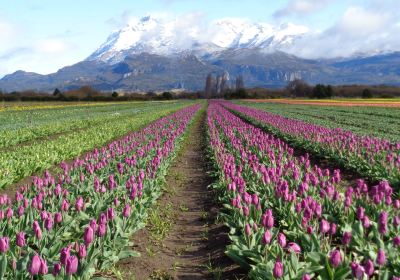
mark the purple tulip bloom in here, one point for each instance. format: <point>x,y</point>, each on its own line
<point>346,238</point>
<point>126,212</point>
<point>282,240</point>
<point>294,247</point>
<point>335,258</point>
<point>34,266</point>
<point>57,269</point>
<point>267,237</point>
<point>71,266</point>
<point>88,236</point>
<point>4,244</point>
<point>324,226</point>
<point>43,267</point>
<point>247,229</point>
<point>82,251</point>
<point>381,257</point>
<point>20,239</point>
<point>278,269</point>
<point>369,267</point>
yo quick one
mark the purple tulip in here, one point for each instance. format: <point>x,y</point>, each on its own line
<point>88,236</point>
<point>358,271</point>
<point>382,222</point>
<point>82,251</point>
<point>369,267</point>
<point>381,257</point>
<point>247,229</point>
<point>101,230</point>
<point>103,218</point>
<point>93,224</point>
<point>4,244</point>
<point>43,267</point>
<point>79,204</point>
<point>57,269</point>
<point>294,247</point>
<point>64,255</point>
<point>64,205</point>
<point>396,241</point>
<point>306,277</point>
<point>34,266</point>
<point>282,240</point>
<point>126,212</point>
<point>246,211</point>
<point>324,226</point>
<point>278,269</point>
<point>58,217</point>
<point>72,265</point>
<point>20,239</point>
<point>9,213</point>
<point>366,222</point>
<point>396,221</point>
<point>333,229</point>
<point>335,258</point>
<point>267,237</point>
<point>346,238</point>
<point>360,213</point>
<point>37,230</point>
<point>48,223</point>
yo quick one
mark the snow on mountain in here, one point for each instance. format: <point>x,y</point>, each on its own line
<point>158,35</point>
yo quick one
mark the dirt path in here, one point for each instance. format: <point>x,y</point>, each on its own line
<point>181,239</point>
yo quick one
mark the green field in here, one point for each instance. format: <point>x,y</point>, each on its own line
<point>34,139</point>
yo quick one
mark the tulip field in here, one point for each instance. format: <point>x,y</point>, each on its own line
<point>33,140</point>
<point>69,226</point>
<point>371,157</point>
<point>290,219</point>
<point>92,172</point>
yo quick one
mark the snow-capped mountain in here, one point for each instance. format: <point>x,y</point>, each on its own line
<point>158,35</point>
<point>158,53</point>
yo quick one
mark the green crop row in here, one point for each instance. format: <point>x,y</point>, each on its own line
<point>21,126</point>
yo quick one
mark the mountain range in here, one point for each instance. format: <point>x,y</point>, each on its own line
<point>155,54</point>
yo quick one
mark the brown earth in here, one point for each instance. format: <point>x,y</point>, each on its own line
<point>193,247</point>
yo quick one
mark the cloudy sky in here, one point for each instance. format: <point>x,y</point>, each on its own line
<point>43,36</point>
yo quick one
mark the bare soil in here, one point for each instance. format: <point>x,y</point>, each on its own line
<point>194,245</point>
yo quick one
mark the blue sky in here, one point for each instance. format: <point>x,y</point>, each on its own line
<point>43,36</point>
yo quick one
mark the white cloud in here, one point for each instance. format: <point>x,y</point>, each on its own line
<point>357,21</point>
<point>302,7</point>
<point>359,30</point>
<point>51,46</point>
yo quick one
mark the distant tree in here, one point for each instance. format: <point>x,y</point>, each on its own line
<point>56,92</point>
<point>299,88</point>
<point>321,91</point>
<point>329,91</point>
<point>239,83</point>
<point>366,93</point>
<point>208,91</point>
<point>166,95</point>
<point>114,94</point>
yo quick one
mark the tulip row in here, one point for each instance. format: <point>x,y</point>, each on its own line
<point>290,219</point>
<point>363,120</point>
<point>80,221</point>
<point>371,157</point>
